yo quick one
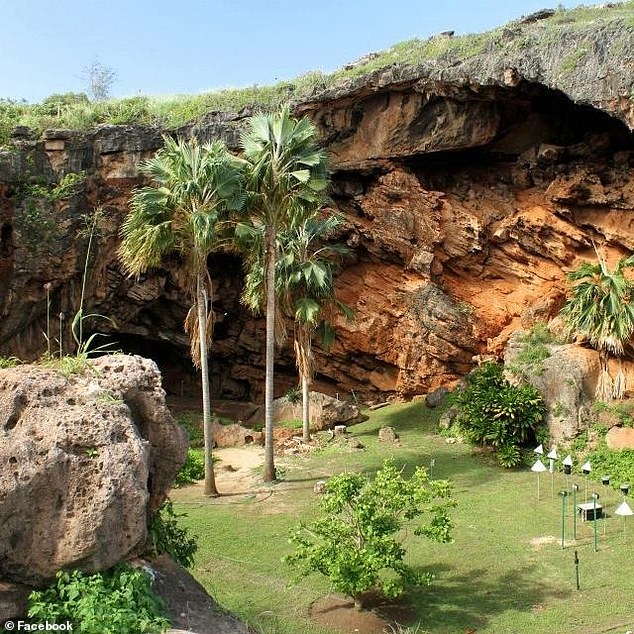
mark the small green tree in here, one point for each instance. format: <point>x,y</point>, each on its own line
<point>358,541</point>
<point>494,412</point>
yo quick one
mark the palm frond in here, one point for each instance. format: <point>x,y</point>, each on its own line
<point>600,305</point>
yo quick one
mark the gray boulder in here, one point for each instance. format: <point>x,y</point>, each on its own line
<point>84,461</point>
<point>567,381</point>
<point>437,398</point>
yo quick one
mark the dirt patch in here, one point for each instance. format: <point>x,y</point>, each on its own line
<point>238,473</point>
<point>380,617</point>
<point>538,542</point>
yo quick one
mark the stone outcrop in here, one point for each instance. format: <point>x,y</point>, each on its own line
<point>567,379</point>
<point>325,412</point>
<point>620,438</point>
<point>468,187</point>
<point>85,461</point>
<point>190,609</point>
<point>235,436</point>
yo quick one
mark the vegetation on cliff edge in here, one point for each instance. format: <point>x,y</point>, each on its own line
<point>75,111</point>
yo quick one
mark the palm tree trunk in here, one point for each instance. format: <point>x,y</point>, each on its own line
<point>201,307</point>
<point>605,385</point>
<point>269,465</point>
<point>305,407</point>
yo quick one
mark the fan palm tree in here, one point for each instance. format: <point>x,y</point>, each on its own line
<point>310,295</point>
<point>184,211</point>
<point>286,171</point>
<point>304,288</point>
<point>601,308</point>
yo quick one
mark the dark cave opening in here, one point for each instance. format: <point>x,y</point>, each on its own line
<point>531,118</point>
<point>180,377</point>
<point>6,240</point>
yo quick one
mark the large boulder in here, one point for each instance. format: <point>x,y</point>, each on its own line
<point>325,412</point>
<point>620,438</point>
<point>84,461</point>
<point>566,379</point>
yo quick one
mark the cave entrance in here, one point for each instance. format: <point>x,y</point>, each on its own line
<point>180,378</point>
<point>6,241</point>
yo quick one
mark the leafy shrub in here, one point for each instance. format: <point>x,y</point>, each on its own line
<point>195,433</point>
<point>66,187</point>
<point>117,601</point>
<point>623,411</point>
<point>294,394</point>
<point>494,412</point>
<point>55,104</point>
<point>10,114</point>
<point>618,464</point>
<point>36,223</point>
<point>9,362</point>
<point>534,350</point>
<point>167,537</point>
<point>192,470</point>
<point>355,543</point>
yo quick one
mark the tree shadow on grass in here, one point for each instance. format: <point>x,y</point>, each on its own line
<point>450,462</point>
<point>455,603</point>
<point>420,443</point>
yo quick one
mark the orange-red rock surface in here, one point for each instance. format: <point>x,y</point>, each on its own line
<point>464,207</point>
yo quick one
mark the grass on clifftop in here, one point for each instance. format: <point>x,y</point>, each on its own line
<point>74,111</point>
<point>505,573</point>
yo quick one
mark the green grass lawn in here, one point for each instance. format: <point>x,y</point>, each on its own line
<point>497,577</point>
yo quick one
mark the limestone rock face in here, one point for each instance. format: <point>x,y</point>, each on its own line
<point>469,187</point>
<point>85,460</point>
<point>567,381</point>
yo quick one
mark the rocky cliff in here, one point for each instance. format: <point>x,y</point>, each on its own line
<point>469,186</point>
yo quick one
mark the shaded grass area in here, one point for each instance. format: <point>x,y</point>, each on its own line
<point>506,571</point>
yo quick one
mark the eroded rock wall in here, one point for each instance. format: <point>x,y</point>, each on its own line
<point>465,203</point>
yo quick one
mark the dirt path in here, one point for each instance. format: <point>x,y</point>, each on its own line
<point>237,469</point>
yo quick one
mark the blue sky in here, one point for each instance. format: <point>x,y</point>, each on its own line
<point>160,47</point>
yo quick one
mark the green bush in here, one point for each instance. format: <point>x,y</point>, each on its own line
<point>117,601</point>
<point>618,464</point>
<point>10,115</point>
<point>294,394</point>
<point>356,541</point>
<point>534,350</point>
<point>494,412</point>
<point>167,537</point>
<point>194,431</point>
<point>9,362</point>
<point>192,470</point>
